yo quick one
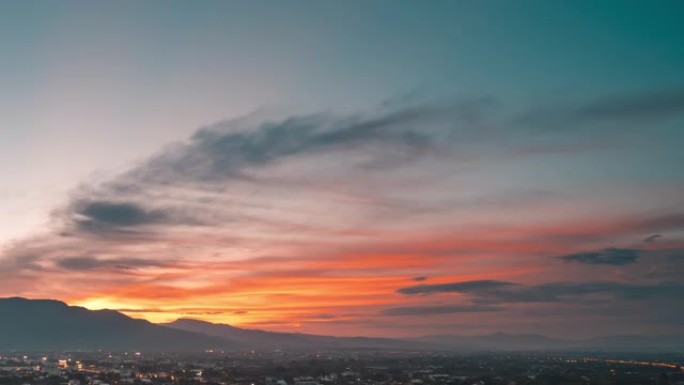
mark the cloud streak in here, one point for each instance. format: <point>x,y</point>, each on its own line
<point>431,310</point>
<point>642,106</point>
<point>610,256</point>
<point>501,292</point>
<point>92,263</point>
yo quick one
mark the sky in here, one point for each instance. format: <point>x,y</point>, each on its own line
<point>378,168</point>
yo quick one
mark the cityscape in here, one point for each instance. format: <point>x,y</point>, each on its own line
<point>333,368</point>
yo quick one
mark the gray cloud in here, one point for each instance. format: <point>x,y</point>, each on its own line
<point>91,263</point>
<point>226,150</point>
<point>500,292</point>
<point>185,180</point>
<point>117,214</point>
<point>446,309</point>
<point>649,104</point>
<point>103,215</point>
<point>457,287</point>
<point>654,104</point>
<point>652,238</point>
<point>608,256</point>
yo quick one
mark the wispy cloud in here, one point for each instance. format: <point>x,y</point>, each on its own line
<point>93,263</point>
<point>456,287</point>
<point>501,292</point>
<point>652,238</point>
<point>610,256</point>
<point>638,106</point>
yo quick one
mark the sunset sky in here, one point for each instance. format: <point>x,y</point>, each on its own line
<point>379,168</point>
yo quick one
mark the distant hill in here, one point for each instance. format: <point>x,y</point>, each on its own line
<point>47,325</point>
<point>258,339</point>
<point>520,342</point>
<point>53,325</point>
<point>263,340</point>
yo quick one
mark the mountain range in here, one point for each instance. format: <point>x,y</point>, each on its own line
<point>48,325</point>
<point>32,325</point>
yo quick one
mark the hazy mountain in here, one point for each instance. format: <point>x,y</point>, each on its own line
<point>259,339</point>
<point>667,342</point>
<point>254,338</point>
<point>53,325</point>
<point>511,342</point>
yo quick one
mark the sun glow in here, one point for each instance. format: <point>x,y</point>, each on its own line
<point>98,303</point>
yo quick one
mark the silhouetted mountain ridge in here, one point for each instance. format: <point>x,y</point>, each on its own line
<point>265,340</point>
<point>52,325</point>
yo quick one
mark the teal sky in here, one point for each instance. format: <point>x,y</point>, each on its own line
<point>577,106</point>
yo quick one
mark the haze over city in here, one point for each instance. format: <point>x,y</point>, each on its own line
<point>348,168</point>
